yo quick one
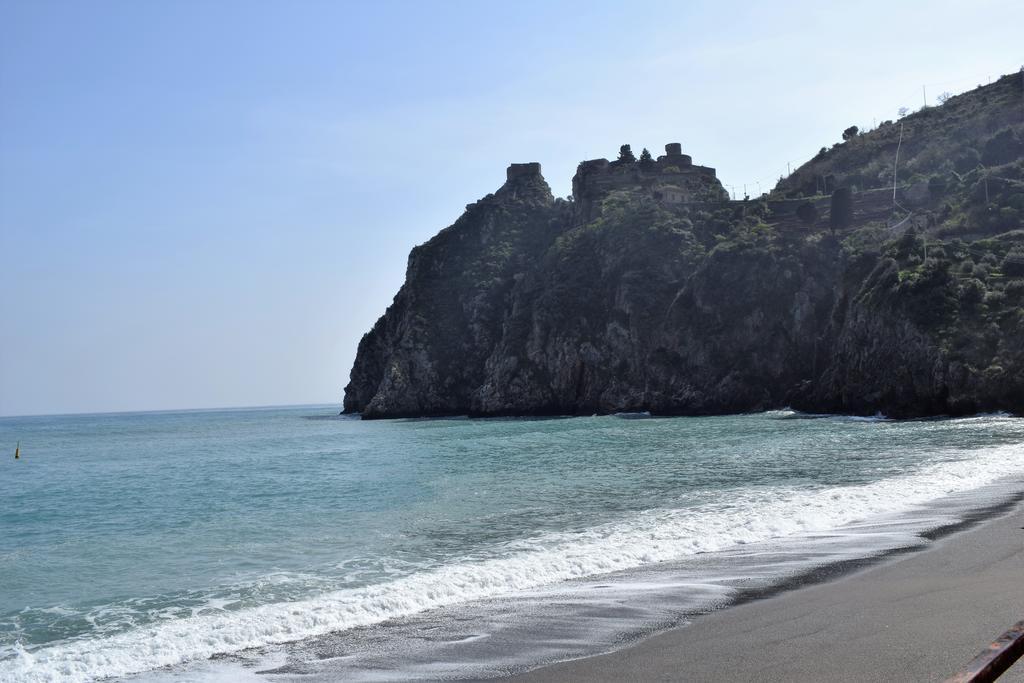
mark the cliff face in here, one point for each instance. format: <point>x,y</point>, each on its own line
<point>426,355</point>
<point>651,292</point>
<point>923,341</point>
<point>635,312</point>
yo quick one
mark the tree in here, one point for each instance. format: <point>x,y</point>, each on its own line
<point>646,160</point>
<point>902,111</point>
<point>626,155</point>
<point>841,211</point>
<point>972,292</point>
<point>850,132</point>
<point>943,97</point>
<point>1013,264</point>
<point>1002,148</point>
<point>807,213</point>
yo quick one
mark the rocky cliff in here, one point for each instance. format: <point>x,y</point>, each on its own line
<point>650,291</point>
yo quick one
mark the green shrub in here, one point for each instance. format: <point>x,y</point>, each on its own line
<point>995,299</point>
<point>807,213</point>
<point>967,160</point>
<point>972,292</point>
<point>841,212</point>
<point>1013,264</point>
<point>1002,148</point>
<point>909,244</point>
<point>1014,291</point>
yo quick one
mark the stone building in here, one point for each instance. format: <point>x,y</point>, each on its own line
<point>672,178</point>
<point>670,194</point>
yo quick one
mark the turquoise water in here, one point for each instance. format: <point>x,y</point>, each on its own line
<point>134,541</point>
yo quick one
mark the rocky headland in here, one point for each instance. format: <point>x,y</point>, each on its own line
<point>650,290</point>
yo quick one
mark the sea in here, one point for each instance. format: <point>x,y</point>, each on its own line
<point>288,544</point>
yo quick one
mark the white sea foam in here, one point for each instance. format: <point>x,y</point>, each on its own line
<point>742,516</point>
<point>877,417</point>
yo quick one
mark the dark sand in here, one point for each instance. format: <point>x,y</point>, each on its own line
<point>913,617</point>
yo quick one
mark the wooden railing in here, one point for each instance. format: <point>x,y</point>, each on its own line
<point>995,659</point>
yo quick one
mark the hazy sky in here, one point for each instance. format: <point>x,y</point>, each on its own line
<point>208,203</point>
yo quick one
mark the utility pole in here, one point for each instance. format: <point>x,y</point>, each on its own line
<point>789,172</point>
<point>895,163</point>
<point>924,95</point>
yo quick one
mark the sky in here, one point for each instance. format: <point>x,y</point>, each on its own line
<point>206,204</point>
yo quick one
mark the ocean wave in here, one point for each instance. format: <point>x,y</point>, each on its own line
<point>746,516</point>
<point>790,414</point>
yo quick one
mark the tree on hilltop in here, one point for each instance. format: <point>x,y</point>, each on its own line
<point>626,155</point>
<point>646,160</point>
<point>850,132</point>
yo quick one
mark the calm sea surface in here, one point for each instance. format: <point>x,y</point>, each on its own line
<point>143,545</point>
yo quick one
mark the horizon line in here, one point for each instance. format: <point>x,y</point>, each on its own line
<point>172,410</point>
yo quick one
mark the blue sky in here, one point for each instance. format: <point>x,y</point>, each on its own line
<point>207,203</point>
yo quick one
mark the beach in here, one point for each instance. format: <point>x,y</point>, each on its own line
<point>919,616</point>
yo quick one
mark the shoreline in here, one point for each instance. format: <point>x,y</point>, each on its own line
<point>591,666</point>
<point>938,606</point>
<point>337,648</point>
<point>542,414</point>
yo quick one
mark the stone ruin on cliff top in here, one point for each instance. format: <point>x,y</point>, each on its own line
<point>672,178</point>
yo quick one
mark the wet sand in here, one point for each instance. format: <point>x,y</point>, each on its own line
<point>912,617</point>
